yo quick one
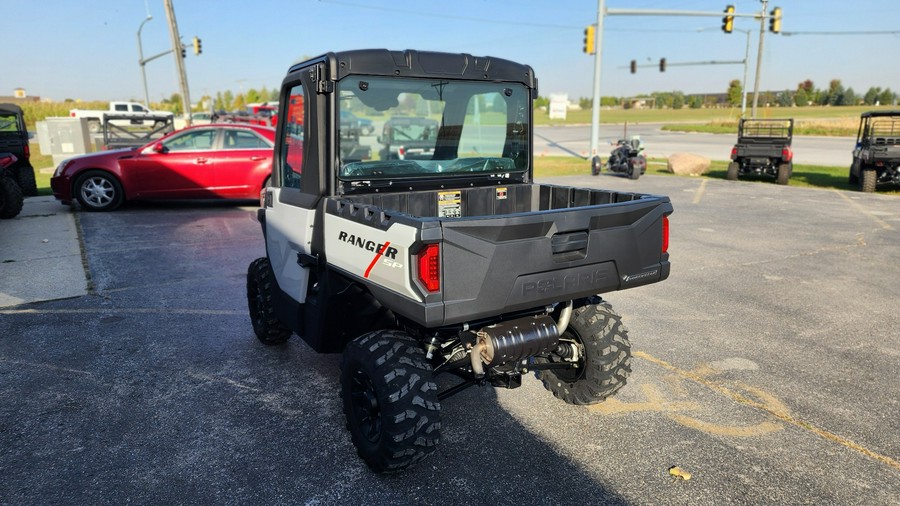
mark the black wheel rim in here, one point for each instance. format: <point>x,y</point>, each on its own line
<point>365,406</point>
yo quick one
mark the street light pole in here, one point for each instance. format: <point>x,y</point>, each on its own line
<point>142,62</point>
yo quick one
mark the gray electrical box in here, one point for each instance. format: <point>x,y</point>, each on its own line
<point>64,138</point>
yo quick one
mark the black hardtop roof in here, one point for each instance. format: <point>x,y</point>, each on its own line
<point>875,114</point>
<point>13,108</point>
<point>425,64</point>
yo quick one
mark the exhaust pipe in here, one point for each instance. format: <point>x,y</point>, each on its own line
<point>514,340</point>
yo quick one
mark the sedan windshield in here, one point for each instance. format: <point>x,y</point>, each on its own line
<point>408,128</point>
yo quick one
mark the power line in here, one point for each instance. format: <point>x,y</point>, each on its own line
<point>447,16</point>
<point>863,32</point>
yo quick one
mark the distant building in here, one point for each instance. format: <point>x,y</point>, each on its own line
<point>19,96</point>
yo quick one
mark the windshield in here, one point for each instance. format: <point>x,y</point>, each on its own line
<point>405,128</point>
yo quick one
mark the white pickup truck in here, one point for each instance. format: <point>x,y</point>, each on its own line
<point>137,115</point>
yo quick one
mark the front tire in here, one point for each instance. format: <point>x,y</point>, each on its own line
<point>390,400</point>
<point>732,173</point>
<point>867,180</point>
<point>260,303</point>
<point>98,191</point>
<point>11,199</point>
<point>605,357</point>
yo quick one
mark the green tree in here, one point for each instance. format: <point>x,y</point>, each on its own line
<point>734,92</point>
<point>801,98</point>
<point>239,102</point>
<point>695,101</point>
<point>886,97</point>
<point>585,102</point>
<point>677,100</point>
<point>785,98</point>
<point>835,92</point>
<point>871,95</point>
<point>252,96</point>
<point>849,97</point>
<point>228,100</point>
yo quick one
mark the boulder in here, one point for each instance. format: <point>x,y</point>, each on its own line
<point>688,164</point>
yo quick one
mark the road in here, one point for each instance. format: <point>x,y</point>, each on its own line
<point>765,366</point>
<point>576,141</point>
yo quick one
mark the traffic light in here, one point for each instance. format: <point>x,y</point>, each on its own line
<point>728,20</point>
<point>197,48</point>
<point>775,20</point>
<point>589,40</point>
<point>662,64</point>
<point>633,66</point>
<point>183,52</point>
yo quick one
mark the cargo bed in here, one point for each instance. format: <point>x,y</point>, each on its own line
<point>502,248</point>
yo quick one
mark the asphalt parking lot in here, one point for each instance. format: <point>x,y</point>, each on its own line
<point>766,366</point>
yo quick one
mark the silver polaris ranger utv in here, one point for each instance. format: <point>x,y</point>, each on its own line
<point>438,254</point>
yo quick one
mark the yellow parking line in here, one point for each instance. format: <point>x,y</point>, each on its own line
<point>778,413</point>
<point>881,223</point>
<point>700,191</point>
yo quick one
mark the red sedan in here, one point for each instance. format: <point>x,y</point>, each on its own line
<point>200,162</point>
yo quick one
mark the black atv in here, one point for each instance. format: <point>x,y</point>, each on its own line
<point>626,158</point>
<point>764,149</point>
<point>14,140</point>
<point>876,157</point>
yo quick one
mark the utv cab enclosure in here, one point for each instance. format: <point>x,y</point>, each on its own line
<point>452,262</point>
<point>14,140</point>
<point>876,157</point>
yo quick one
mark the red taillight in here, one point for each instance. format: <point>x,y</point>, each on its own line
<point>734,152</point>
<point>72,114</point>
<point>27,151</point>
<point>430,267</point>
<point>401,151</point>
<point>787,154</point>
<point>665,235</point>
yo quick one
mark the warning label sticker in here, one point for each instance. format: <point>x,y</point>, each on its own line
<point>449,204</point>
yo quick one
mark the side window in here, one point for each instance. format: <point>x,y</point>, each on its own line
<point>193,140</point>
<point>292,145</point>
<point>121,107</point>
<point>242,139</point>
<point>137,108</point>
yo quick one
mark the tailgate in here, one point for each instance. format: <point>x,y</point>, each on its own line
<point>497,265</point>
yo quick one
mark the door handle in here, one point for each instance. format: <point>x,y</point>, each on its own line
<point>201,161</point>
<point>257,158</point>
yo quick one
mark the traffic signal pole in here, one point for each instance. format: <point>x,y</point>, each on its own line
<point>595,103</point>
<point>602,12</point>
<point>178,49</point>
<point>759,55</point>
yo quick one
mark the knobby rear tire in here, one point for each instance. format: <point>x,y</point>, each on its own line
<point>11,199</point>
<point>390,400</point>
<point>606,357</point>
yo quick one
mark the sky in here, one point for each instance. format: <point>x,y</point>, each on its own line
<point>88,50</point>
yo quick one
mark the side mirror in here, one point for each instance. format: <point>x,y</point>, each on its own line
<point>159,148</point>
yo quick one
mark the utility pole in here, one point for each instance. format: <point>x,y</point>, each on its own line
<point>141,61</point>
<point>178,49</point>
<point>759,55</point>
<point>595,103</point>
